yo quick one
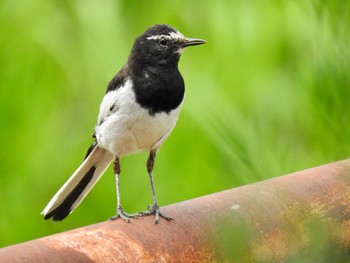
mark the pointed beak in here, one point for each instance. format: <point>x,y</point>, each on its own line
<point>192,42</point>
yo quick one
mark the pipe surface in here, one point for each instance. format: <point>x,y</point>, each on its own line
<point>277,220</point>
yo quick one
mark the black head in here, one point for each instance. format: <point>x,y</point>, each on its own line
<point>160,45</point>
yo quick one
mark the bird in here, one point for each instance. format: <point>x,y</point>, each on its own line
<point>138,112</point>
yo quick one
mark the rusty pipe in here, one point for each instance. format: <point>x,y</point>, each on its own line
<point>276,220</point>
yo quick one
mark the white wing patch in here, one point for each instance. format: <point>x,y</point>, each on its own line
<point>110,102</point>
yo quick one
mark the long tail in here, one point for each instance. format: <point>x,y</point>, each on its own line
<point>79,184</point>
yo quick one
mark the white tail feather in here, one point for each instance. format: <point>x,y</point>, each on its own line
<point>98,158</point>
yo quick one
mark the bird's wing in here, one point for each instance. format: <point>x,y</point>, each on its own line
<point>108,103</point>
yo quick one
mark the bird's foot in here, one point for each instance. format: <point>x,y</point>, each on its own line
<point>123,215</point>
<point>154,210</point>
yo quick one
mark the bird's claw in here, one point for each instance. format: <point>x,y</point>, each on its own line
<point>123,215</point>
<point>154,210</point>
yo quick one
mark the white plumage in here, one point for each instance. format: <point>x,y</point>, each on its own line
<point>129,128</point>
<point>124,127</point>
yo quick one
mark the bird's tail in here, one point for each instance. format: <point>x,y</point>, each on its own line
<point>79,184</point>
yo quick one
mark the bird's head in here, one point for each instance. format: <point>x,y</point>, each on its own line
<point>160,45</point>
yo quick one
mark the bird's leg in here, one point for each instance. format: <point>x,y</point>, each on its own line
<point>120,212</point>
<point>153,209</point>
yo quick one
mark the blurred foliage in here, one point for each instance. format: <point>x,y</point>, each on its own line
<point>308,242</point>
<point>267,95</point>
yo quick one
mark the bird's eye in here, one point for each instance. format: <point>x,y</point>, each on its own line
<point>163,42</point>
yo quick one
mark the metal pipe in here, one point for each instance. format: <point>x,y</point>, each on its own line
<point>296,216</point>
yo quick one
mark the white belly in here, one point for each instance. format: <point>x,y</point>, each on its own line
<point>131,128</point>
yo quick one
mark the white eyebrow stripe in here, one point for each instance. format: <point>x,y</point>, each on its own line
<point>172,36</point>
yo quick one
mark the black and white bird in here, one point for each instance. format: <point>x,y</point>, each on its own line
<point>138,112</point>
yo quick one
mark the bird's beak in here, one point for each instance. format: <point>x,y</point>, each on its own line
<point>192,42</point>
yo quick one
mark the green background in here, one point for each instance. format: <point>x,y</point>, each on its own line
<point>267,95</point>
